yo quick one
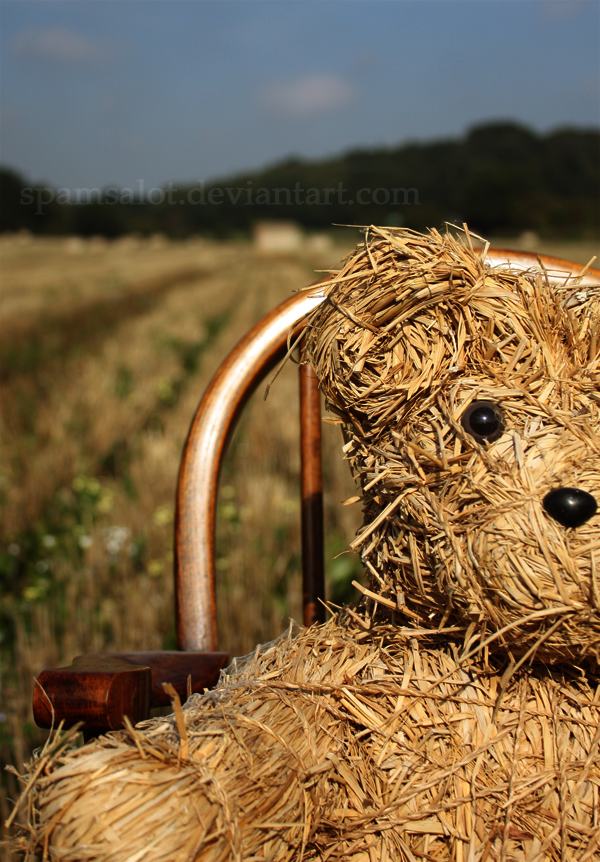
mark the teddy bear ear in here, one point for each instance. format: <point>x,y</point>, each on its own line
<point>582,312</point>
<point>564,319</point>
<point>379,340</point>
<point>369,363</point>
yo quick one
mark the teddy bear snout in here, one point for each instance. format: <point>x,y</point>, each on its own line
<point>571,507</point>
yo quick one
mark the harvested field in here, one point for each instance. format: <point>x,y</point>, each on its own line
<point>107,350</point>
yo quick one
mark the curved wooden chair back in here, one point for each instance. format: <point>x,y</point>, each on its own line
<point>101,689</point>
<point>258,353</point>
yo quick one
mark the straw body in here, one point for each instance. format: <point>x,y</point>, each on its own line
<point>349,741</point>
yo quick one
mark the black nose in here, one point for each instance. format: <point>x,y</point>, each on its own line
<point>570,506</point>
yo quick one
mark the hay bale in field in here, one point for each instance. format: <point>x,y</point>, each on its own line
<point>340,743</point>
<point>406,728</point>
<point>419,332</point>
<point>277,237</point>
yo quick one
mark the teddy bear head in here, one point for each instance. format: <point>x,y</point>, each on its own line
<point>470,403</point>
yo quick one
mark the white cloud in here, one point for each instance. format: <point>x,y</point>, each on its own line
<point>59,46</point>
<point>313,94</point>
<point>560,10</point>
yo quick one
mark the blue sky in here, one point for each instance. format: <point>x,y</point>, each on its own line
<point>101,92</point>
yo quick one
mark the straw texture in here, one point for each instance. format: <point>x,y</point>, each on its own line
<point>352,741</point>
<point>415,726</point>
<point>416,329</point>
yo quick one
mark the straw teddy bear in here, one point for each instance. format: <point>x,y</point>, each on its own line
<point>454,714</point>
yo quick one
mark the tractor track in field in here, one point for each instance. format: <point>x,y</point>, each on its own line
<point>46,340</point>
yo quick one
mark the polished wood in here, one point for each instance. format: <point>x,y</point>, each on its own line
<point>100,690</point>
<point>313,551</point>
<point>255,355</point>
<point>97,691</point>
<point>175,667</point>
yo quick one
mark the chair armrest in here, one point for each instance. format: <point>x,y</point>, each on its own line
<point>99,690</point>
<point>175,666</point>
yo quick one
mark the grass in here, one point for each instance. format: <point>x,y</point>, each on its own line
<point>107,349</point>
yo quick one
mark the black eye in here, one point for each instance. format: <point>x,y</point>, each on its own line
<point>484,421</point>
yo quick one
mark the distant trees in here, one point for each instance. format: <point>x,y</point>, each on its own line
<point>501,178</point>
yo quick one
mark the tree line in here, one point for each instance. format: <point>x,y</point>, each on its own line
<point>501,178</point>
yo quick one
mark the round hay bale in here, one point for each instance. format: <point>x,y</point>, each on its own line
<point>417,331</point>
<point>352,740</point>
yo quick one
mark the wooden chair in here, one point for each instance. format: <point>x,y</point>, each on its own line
<point>100,690</point>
